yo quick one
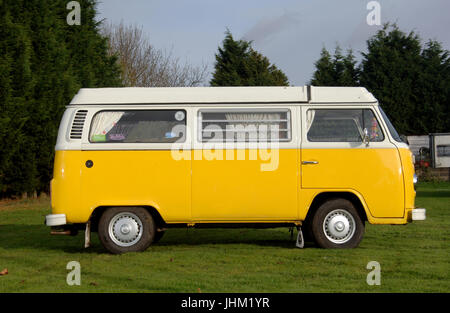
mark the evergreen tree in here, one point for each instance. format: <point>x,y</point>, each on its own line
<point>43,62</point>
<point>237,64</point>
<point>89,50</point>
<point>390,69</point>
<point>17,173</point>
<point>338,65</point>
<point>350,73</point>
<point>432,91</point>
<point>411,82</point>
<point>324,74</point>
<point>336,70</point>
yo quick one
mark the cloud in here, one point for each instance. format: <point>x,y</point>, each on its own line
<point>265,29</point>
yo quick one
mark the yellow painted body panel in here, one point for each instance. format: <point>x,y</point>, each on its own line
<point>193,190</point>
<point>244,186</point>
<point>374,174</point>
<point>132,178</point>
<point>65,186</point>
<point>307,196</point>
<point>408,174</point>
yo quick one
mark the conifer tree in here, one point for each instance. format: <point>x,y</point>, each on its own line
<point>410,81</point>
<point>350,73</point>
<point>238,64</point>
<point>336,70</point>
<point>432,91</point>
<point>43,63</point>
<point>390,68</point>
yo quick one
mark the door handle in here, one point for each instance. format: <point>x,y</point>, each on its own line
<point>310,162</point>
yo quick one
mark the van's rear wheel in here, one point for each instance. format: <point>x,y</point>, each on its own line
<point>337,224</point>
<point>126,229</point>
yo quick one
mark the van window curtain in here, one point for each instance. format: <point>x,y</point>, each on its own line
<point>250,121</point>
<point>103,123</point>
<point>309,118</point>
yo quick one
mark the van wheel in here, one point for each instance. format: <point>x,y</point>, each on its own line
<point>126,229</point>
<point>337,224</point>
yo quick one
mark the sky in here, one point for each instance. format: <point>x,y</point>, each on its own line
<point>290,33</point>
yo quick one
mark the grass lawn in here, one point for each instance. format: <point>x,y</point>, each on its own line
<point>413,257</point>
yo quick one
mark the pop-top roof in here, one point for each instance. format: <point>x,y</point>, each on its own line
<point>221,95</point>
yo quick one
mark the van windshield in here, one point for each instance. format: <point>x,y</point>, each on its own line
<point>391,127</point>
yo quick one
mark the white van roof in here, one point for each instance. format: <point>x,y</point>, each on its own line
<point>221,95</point>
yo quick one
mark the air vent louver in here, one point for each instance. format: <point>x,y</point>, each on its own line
<point>77,125</point>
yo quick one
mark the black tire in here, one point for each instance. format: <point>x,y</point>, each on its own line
<point>126,229</point>
<point>337,224</point>
<point>158,236</point>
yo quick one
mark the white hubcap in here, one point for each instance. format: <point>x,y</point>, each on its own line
<point>125,229</point>
<point>339,226</point>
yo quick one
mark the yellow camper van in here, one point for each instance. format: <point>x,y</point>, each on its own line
<point>132,163</point>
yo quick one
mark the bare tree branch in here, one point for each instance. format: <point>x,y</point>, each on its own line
<point>145,66</point>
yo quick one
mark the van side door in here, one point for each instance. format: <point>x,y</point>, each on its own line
<point>242,168</point>
<point>335,158</point>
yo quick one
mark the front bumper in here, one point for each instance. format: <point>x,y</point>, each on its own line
<point>418,214</point>
<point>55,220</point>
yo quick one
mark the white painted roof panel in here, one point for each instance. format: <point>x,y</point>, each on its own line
<point>341,95</point>
<point>200,95</point>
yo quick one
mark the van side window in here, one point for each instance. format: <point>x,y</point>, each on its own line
<point>244,126</point>
<point>342,125</point>
<point>133,126</point>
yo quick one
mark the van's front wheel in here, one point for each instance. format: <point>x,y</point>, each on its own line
<point>126,229</point>
<point>337,224</point>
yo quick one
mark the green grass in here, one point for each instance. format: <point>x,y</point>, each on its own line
<point>413,257</point>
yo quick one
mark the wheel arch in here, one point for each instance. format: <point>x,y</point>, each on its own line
<point>354,198</point>
<point>98,211</point>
